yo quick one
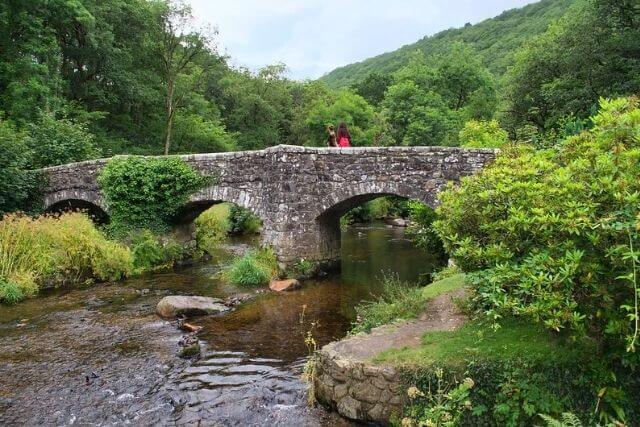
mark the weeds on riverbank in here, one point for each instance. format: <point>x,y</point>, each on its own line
<point>254,268</point>
<point>309,371</point>
<point>57,248</point>
<point>398,300</point>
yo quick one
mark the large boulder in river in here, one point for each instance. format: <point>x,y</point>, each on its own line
<point>284,285</point>
<point>177,305</point>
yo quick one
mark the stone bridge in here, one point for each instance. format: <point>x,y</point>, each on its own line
<point>300,193</point>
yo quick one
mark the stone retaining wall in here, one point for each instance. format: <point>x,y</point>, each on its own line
<point>356,389</point>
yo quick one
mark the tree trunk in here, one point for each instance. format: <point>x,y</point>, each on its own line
<point>167,134</point>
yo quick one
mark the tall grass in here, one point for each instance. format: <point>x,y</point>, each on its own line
<point>398,300</point>
<point>254,268</point>
<point>58,248</point>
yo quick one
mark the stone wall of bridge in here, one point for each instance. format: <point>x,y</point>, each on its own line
<point>300,193</point>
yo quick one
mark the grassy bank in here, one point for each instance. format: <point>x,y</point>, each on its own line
<point>507,373</point>
<point>58,249</point>
<point>62,249</point>
<point>480,375</point>
<point>254,268</point>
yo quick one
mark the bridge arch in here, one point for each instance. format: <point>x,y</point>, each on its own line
<point>72,200</point>
<point>327,217</point>
<point>214,195</point>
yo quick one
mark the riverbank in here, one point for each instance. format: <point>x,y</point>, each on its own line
<point>348,381</point>
<point>444,367</point>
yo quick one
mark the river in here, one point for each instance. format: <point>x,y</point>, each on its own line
<point>98,355</point>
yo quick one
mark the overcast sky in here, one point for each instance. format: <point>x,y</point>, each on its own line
<point>312,37</point>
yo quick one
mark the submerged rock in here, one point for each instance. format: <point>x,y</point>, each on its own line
<point>235,300</point>
<point>177,305</point>
<point>284,285</point>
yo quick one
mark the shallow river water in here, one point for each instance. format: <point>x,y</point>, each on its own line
<point>100,356</point>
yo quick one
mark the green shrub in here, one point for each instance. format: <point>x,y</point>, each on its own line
<point>10,292</point>
<point>146,193</point>
<point>16,183</point>
<point>212,227</point>
<point>57,248</point>
<point>304,268</point>
<point>398,301</point>
<point>389,207</point>
<point>551,235</point>
<point>151,251</point>
<point>254,268</point>
<point>358,215</point>
<point>243,221</point>
<point>516,372</point>
<point>421,228</point>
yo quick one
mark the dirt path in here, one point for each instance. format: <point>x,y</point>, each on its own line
<point>440,315</point>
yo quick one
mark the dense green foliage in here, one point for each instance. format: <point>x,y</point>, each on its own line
<point>243,221</point>
<point>59,141</point>
<point>16,183</point>
<point>430,100</point>
<point>496,40</point>
<point>254,268</point>
<point>212,227</point>
<point>558,77</point>
<point>552,235</point>
<point>151,251</point>
<point>514,373</point>
<point>57,249</point>
<point>483,134</point>
<point>421,228</point>
<point>147,192</point>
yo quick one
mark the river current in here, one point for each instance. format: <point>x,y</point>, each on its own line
<point>99,355</point>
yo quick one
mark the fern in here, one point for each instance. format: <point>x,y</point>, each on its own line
<point>567,420</point>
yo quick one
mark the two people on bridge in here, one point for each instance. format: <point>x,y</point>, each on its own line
<point>340,139</point>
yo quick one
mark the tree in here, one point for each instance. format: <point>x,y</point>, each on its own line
<point>431,99</point>
<point>373,87</point>
<point>258,107</point>
<point>592,52</point>
<point>179,50</point>
<point>345,106</point>
<point>483,134</point>
<point>59,141</point>
<point>462,80</point>
<point>15,181</point>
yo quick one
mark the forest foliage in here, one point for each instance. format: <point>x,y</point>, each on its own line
<point>496,40</point>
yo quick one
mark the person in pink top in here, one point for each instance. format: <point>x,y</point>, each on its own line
<point>343,137</point>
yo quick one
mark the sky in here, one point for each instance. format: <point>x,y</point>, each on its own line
<point>312,37</point>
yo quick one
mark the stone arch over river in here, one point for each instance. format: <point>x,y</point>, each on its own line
<point>298,192</point>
